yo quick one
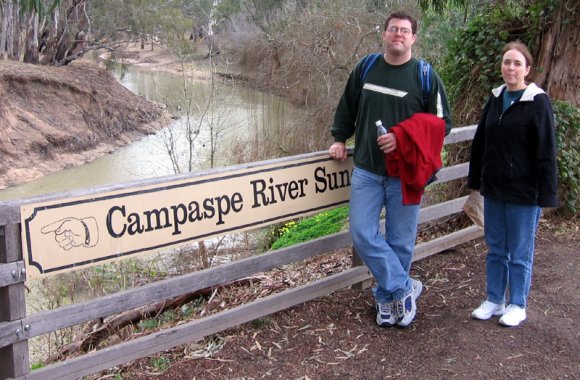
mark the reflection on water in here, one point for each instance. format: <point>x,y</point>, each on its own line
<point>215,124</point>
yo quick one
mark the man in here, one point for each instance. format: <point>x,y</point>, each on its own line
<point>391,92</point>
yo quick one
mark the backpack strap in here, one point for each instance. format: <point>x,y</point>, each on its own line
<point>425,78</point>
<point>368,63</point>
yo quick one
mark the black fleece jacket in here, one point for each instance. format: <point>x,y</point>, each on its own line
<point>513,155</point>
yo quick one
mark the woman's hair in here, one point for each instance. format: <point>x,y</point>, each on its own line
<point>519,46</point>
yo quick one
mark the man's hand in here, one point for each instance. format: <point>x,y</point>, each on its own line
<point>338,151</point>
<point>387,142</point>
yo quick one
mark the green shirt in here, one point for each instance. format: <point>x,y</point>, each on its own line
<point>390,94</point>
<point>511,97</point>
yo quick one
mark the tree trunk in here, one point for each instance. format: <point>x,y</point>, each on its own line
<point>4,29</point>
<point>559,56</point>
<point>10,12</point>
<point>31,40</point>
<point>67,34</point>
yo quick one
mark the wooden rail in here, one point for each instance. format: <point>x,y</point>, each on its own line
<point>16,327</point>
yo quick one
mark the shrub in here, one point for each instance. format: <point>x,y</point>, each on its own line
<point>568,156</point>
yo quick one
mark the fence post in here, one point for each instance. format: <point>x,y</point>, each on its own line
<point>357,262</point>
<point>14,358</point>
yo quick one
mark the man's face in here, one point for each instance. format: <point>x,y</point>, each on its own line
<point>399,37</point>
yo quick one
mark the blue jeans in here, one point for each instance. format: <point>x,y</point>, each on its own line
<point>510,231</point>
<point>387,257</point>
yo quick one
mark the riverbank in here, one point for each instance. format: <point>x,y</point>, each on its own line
<point>55,118</point>
<point>156,58</point>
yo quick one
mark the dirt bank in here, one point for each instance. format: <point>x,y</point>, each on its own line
<point>157,58</point>
<point>52,118</point>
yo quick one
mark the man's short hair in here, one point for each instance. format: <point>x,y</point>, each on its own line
<point>403,16</point>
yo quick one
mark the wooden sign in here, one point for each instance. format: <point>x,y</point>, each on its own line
<point>77,232</point>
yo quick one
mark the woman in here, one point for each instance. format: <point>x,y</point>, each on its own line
<point>513,165</point>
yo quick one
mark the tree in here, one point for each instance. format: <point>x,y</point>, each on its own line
<point>305,52</point>
<point>65,34</point>
<point>43,31</point>
<point>548,27</point>
<point>558,55</point>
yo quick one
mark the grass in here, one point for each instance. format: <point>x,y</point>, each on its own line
<point>325,223</point>
<point>161,364</point>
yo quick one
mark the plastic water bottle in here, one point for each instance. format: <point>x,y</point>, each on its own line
<point>380,129</point>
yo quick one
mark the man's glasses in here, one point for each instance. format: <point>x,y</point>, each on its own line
<point>395,29</point>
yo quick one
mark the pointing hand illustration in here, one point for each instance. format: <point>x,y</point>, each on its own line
<point>73,232</point>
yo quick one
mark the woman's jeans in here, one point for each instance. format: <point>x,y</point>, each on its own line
<point>510,231</point>
<point>387,257</point>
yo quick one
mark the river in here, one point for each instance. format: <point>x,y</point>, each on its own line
<point>237,114</point>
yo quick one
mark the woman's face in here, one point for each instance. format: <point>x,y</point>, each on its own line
<point>514,70</point>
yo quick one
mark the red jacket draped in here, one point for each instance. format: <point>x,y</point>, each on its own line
<point>418,155</point>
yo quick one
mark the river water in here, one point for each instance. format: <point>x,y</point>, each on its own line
<point>236,114</point>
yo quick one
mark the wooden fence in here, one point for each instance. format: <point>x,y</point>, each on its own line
<point>16,327</point>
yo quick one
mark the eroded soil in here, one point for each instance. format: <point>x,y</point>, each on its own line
<point>52,118</point>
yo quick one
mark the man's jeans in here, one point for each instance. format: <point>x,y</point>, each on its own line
<point>510,231</point>
<point>389,260</point>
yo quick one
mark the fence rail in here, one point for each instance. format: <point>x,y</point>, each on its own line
<point>16,327</point>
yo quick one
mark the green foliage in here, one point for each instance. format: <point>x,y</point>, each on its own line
<point>169,316</point>
<point>161,364</point>
<point>261,322</point>
<point>472,65</point>
<point>167,21</point>
<point>37,366</point>
<point>149,324</point>
<point>183,48</point>
<point>322,224</point>
<point>192,307</point>
<point>112,277</point>
<point>436,31</point>
<point>228,8</point>
<point>442,5</point>
<point>568,157</point>
<point>38,6</point>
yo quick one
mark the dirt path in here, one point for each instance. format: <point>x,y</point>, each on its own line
<point>335,337</point>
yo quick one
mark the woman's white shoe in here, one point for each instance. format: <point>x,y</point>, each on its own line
<point>487,310</point>
<point>513,316</point>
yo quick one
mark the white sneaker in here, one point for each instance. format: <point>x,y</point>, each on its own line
<point>513,316</point>
<point>386,314</point>
<point>487,310</point>
<point>407,307</point>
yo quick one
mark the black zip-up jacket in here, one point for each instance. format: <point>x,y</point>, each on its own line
<point>513,155</point>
